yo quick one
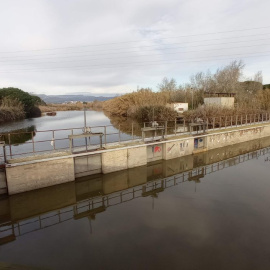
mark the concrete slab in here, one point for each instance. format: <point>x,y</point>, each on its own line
<point>39,175</point>
<point>87,165</point>
<point>137,157</point>
<point>113,161</point>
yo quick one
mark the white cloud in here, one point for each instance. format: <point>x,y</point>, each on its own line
<point>134,42</point>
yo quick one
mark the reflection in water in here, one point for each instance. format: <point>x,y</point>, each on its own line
<point>124,124</point>
<point>98,198</point>
<point>19,136</point>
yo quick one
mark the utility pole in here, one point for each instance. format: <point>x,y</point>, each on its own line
<point>192,96</point>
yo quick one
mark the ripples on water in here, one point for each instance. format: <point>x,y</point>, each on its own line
<point>207,211</point>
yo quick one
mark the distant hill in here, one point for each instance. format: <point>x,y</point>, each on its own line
<point>68,98</point>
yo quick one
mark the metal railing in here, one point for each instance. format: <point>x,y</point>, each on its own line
<point>18,144</point>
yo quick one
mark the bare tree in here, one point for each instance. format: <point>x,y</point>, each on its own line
<point>167,85</point>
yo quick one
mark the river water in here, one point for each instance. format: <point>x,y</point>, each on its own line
<point>41,130</point>
<point>206,211</point>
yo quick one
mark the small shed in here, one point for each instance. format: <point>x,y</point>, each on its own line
<point>219,99</point>
<point>179,107</point>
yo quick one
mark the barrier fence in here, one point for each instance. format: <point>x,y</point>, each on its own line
<point>19,144</point>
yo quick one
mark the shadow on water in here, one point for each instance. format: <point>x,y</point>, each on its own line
<point>18,136</point>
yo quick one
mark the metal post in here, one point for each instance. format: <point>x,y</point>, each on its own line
<point>72,145</point>
<point>53,140</point>
<point>132,130</point>
<point>236,120</point>
<point>241,120</point>
<point>246,119</point>
<point>220,122</point>
<point>119,134</point>
<point>4,152</point>
<point>33,143</point>
<point>84,119</point>
<point>175,126</point>
<point>231,121</point>
<point>105,135</point>
<point>9,143</point>
<point>166,125</point>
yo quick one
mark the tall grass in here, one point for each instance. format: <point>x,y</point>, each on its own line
<point>11,109</point>
<point>140,105</point>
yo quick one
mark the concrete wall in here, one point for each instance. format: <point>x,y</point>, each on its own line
<point>87,165</point>
<point>137,156</point>
<point>220,101</point>
<point>238,136</point>
<point>114,160</point>
<point>178,148</point>
<point>39,175</point>
<point>155,152</point>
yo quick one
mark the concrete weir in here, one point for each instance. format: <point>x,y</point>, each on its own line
<point>43,171</point>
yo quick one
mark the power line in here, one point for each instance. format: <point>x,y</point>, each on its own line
<point>122,42</point>
<point>130,64</point>
<point>171,53</point>
<point>72,56</point>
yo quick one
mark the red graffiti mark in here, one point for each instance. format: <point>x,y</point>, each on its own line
<point>157,149</point>
<point>157,171</point>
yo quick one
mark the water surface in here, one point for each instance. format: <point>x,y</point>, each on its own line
<point>208,211</point>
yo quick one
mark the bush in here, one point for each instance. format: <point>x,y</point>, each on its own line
<point>154,112</point>
<point>128,104</point>
<point>11,109</point>
<point>28,101</point>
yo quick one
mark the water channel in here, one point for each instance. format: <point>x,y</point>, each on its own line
<point>43,130</point>
<point>205,211</point>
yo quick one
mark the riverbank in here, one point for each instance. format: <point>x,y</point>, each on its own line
<point>78,106</point>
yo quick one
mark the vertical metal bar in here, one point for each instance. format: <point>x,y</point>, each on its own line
<point>213,122</point>
<point>241,120</point>
<point>220,122</point>
<point>236,120</point>
<point>175,126</point>
<point>246,119</point>
<point>9,143</point>
<point>53,141</point>
<point>166,125</point>
<point>132,130</point>
<point>72,144</point>
<point>33,143</point>
<point>119,134</point>
<point>105,135</point>
<point>4,153</point>
<point>231,121</point>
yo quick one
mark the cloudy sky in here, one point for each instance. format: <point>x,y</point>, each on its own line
<point>115,46</point>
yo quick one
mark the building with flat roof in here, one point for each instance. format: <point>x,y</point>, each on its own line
<point>219,99</point>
